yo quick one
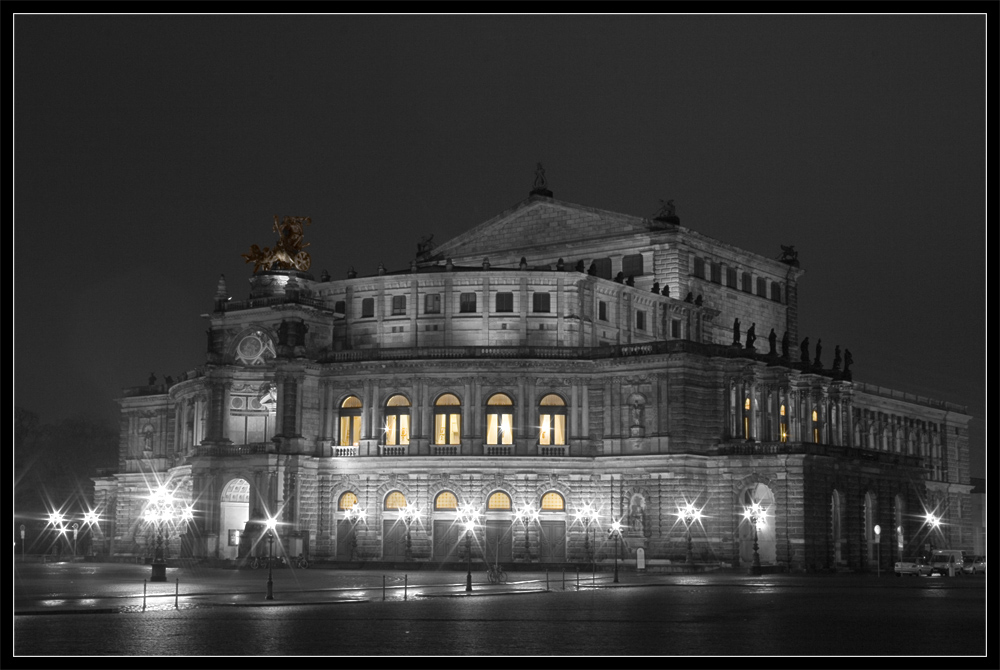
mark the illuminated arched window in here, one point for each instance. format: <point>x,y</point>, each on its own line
<point>552,420</point>
<point>446,500</point>
<point>499,419</point>
<point>395,500</point>
<point>815,417</point>
<point>746,418</point>
<point>448,419</point>
<point>553,502</point>
<point>347,501</point>
<point>498,500</point>
<point>397,421</point>
<point>350,421</point>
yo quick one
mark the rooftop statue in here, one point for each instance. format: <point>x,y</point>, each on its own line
<point>288,253</point>
<point>789,255</point>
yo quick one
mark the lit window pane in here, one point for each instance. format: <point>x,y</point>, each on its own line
<point>356,433</point>
<point>440,428</point>
<point>347,501</point>
<point>456,429</point>
<point>560,429</point>
<point>543,430</point>
<point>395,500</point>
<point>345,431</point>
<point>446,500</point>
<point>505,427</point>
<point>499,500</point>
<point>390,429</point>
<point>404,429</point>
<point>552,502</point>
<point>491,428</point>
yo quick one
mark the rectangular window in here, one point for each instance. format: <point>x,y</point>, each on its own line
<point>398,305</point>
<point>640,320</point>
<point>367,308</point>
<point>731,277</point>
<point>699,267</point>
<point>498,429</point>
<point>447,428</point>
<point>761,287</point>
<point>675,329</point>
<point>775,291</point>
<point>632,265</point>
<point>467,303</point>
<point>505,302</point>
<point>540,302</point>
<point>747,283</point>
<point>602,310</point>
<point>350,430</point>
<point>552,429</point>
<point>432,303</point>
<point>716,273</point>
<point>340,307</point>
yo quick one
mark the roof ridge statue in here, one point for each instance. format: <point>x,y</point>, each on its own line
<point>288,253</point>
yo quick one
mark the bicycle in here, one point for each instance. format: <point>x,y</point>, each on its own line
<point>257,562</point>
<point>301,562</point>
<point>496,575</point>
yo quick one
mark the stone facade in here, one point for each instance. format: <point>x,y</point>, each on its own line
<point>579,363</point>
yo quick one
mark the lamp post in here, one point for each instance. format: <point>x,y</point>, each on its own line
<point>588,514</point>
<point>354,515</point>
<point>757,516</point>
<point>469,526</point>
<point>271,523</point>
<point>878,550</point>
<point>689,514</point>
<point>76,528</point>
<point>527,515</point>
<point>163,509</point>
<point>616,530</point>
<point>407,514</point>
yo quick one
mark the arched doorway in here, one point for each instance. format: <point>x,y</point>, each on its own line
<point>234,512</point>
<point>766,535</point>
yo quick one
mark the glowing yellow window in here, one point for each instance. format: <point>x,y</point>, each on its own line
<point>448,420</point>
<point>499,500</point>
<point>552,420</point>
<point>746,405</point>
<point>397,420</point>
<point>553,502</point>
<point>499,420</point>
<point>347,501</point>
<point>446,500</point>
<point>350,422</point>
<point>395,500</point>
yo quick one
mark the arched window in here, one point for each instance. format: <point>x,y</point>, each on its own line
<point>347,501</point>
<point>448,420</point>
<point>350,421</point>
<point>395,500</point>
<point>815,418</point>
<point>553,502</point>
<point>784,425</point>
<point>397,421</point>
<point>367,307</point>
<point>498,501</point>
<point>499,419</point>
<point>552,420</point>
<point>446,500</point>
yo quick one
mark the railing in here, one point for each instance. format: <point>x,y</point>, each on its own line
<point>553,451</point>
<point>909,397</point>
<point>384,450</point>
<point>742,448</point>
<point>254,303</point>
<point>437,450</point>
<point>345,451</point>
<point>235,449</point>
<point>497,450</point>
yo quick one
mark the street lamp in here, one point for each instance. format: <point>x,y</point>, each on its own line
<point>689,514</point>
<point>271,523</point>
<point>468,516</point>
<point>588,514</point>
<point>757,516</point>
<point>407,514</point>
<point>354,514</point>
<point>76,528</point>
<point>616,530</point>
<point>878,550</point>
<point>163,509</point>
<point>526,515</point>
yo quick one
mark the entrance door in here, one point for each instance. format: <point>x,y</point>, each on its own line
<point>552,541</point>
<point>498,547</point>
<point>347,547</point>
<point>447,535</point>
<point>393,541</point>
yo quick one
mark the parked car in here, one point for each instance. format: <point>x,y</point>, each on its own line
<point>915,567</point>
<point>947,562</point>
<point>975,566</point>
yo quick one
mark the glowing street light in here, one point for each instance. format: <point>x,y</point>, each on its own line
<point>878,550</point>
<point>588,515</point>
<point>354,514</point>
<point>407,515</point>
<point>616,530</point>
<point>270,523</point>
<point>757,516</point>
<point>526,515</point>
<point>163,509</point>
<point>689,514</point>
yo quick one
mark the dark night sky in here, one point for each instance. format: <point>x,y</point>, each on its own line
<point>150,152</point>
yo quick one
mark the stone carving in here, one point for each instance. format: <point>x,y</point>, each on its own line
<point>789,255</point>
<point>804,351</point>
<point>751,336</point>
<point>636,514</point>
<point>425,244</point>
<point>288,253</point>
<point>772,340</point>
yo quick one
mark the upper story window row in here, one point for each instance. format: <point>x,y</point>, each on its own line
<point>731,277</point>
<point>468,303</point>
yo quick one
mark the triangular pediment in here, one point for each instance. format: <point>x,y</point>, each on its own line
<point>537,223</point>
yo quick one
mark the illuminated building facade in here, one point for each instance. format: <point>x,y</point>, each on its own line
<point>554,369</point>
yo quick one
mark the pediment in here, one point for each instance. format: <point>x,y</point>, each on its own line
<point>536,223</point>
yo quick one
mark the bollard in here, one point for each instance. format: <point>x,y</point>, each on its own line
<point>177,590</point>
<point>144,595</point>
<point>383,587</point>
<point>404,586</point>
